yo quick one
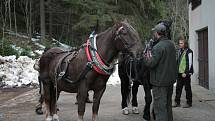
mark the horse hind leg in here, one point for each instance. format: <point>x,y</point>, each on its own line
<point>54,104</point>
<point>54,94</point>
<point>48,89</point>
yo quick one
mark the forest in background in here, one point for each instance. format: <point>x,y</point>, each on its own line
<point>71,21</point>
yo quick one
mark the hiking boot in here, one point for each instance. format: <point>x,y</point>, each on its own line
<point>135,110</point>
<point>125,111</point>
<point>187,105</point>
<point>39,109</point>
<point>176,105</point>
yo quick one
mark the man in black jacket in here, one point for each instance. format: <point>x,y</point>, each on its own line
<point>185,70</point>
<point>162,64</point>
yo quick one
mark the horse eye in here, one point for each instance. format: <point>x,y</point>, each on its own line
<point>124,31</point>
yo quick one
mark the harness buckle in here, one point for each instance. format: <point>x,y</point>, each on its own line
<point>61,74</point>
<point>90,64</point>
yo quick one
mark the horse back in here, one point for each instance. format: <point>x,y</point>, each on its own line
<point>45,60</point>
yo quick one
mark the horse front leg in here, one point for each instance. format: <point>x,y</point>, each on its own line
<point>82,95</point>
<point>96,102</point>
<point>148,101</point>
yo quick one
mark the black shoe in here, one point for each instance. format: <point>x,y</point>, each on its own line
<point>39,111</point>
<point>187,105</point>
<point>176,105</point>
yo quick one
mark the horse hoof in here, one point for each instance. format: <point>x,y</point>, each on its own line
<point>125,111</point>
<point>39,111</point>
<point>49,118</point>
<point>135,110</point>
<point>55,117</point>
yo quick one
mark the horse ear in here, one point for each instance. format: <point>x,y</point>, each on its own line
<point>125,20</point>
<point>118,24</point>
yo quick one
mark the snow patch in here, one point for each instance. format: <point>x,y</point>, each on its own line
<point>114,78</point>
<point>40,45</point>
<point>17,72</point>
<point>20,72</point>
<point>40,52</point>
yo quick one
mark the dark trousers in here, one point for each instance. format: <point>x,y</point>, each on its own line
<point>181,82</point>
<point>163,103</point>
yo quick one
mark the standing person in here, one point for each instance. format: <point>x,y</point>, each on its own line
<point>185,70</point>
<point>162,64</point>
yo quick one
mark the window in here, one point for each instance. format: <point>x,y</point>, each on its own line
<point>195,3</point>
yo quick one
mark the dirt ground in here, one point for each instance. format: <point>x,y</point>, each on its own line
<point>9,93</point>
<point>19,105</point>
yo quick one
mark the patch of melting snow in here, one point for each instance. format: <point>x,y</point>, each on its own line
<point>114,78</point>
<point>17,72</point>
<point>40,52</point>
<point>20,72</point>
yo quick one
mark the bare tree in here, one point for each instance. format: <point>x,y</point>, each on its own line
<point>30,19</point>
<point>14,14</point>
<point>42,19</point>
<point>4,5</point>
<point>9,12</point>
<point>178,13</point>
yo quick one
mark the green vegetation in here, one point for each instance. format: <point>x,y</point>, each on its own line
<point>7,49</point>
<point>71,21</point>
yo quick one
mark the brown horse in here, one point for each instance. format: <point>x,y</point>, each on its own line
<point>119,38</point>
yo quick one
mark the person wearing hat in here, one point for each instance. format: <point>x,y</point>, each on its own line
<point>162,64</point>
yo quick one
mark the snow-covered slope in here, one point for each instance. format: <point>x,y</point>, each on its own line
<point>20,72</point>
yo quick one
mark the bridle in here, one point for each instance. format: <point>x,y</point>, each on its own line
<point>118,37</point>
<point>95,61</point>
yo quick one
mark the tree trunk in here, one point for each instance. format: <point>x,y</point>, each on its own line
<point>30,19</point>
<point>14,14</point>
<point>42,20</point>
<point>9,9</point>
<point>50,20</point>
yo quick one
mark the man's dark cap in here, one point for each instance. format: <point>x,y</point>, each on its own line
<point>159,28</point>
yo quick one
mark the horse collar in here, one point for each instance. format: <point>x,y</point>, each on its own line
<point>94,59</point>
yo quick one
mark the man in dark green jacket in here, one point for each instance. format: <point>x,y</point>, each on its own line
<point>162,64</point>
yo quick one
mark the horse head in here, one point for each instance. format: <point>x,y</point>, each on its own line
<point>127,39</point>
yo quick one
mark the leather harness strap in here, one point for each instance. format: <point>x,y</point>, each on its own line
<point>63,64</point>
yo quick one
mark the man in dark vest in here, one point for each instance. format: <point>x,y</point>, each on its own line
<point>162,64</point>
<point>185,70</point>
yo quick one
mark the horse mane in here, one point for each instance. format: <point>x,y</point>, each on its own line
<point>105,32</point>
<point>127,25</point>
<point>130,27</point>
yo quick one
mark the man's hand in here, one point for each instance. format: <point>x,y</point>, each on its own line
<point>148,55</point>
<point>183,75</point>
